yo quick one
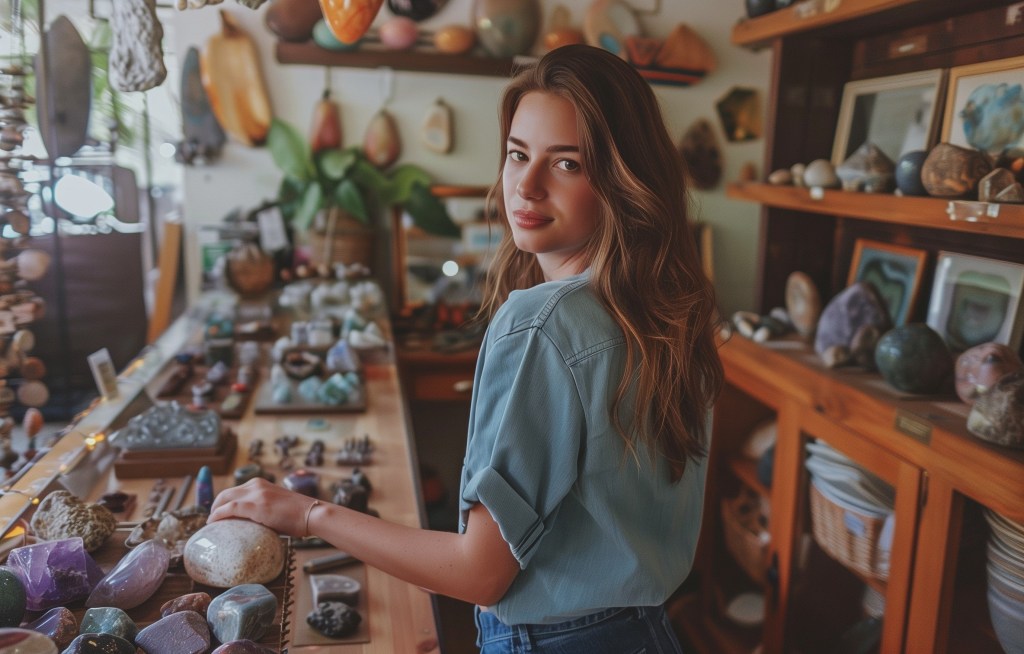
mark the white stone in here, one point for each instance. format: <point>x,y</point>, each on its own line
<point>228,553</point>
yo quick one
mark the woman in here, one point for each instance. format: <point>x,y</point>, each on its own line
<point>584,473</point>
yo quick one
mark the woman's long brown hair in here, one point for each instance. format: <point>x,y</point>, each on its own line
<point>643,261</point>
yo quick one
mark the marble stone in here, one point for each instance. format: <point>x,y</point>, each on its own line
<point>12,598</point>
<point>197,602</point>
<point>54,573</point>
<point>914,358</point>
<point>998,414</point>
<point>243,646</point>
<point>25,641</point>
<point>334,619</point>
<point>980,367</point>
<point>109,620</point>
<point>135,577</point>
<point>59,624</point>
<point>99,644</point>
<point>242,612</point>
<point>62,515</point>
<point>855,309</point>
<point>231,552</point>
<point>184,632</point>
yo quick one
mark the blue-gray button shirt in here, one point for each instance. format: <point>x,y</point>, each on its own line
<point>591,526</point>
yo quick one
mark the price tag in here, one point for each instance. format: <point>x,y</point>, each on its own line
<point>272,234</point>
<point>103,373</point>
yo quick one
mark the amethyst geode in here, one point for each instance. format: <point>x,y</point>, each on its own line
<point>55,572</point>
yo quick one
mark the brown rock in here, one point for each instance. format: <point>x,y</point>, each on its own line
<point>953,172</point>
<point>62,515</point>
<point>998,414</point>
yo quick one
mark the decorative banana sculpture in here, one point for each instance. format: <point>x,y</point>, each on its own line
<point>325,130</point>
<point>234,83</point>
<point>349,19</point>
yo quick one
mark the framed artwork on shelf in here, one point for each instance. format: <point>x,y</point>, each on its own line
<point>894,270</point>
<point>984,105</point>
<point>977,300</point>
<point>898,113</point>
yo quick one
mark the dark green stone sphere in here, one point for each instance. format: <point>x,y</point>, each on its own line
<point>914,359</point>
<point>12,599</point>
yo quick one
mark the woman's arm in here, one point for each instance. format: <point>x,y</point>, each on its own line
<point>476,566</point>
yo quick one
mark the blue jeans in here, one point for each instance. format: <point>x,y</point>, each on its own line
<point>634,630</point>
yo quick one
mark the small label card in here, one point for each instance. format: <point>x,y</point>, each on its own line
<point>103,373</point>
<point>272,233</point>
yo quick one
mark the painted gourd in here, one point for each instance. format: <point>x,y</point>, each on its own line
<point>349,19</point>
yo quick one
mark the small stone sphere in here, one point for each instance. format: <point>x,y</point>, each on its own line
<point>914,359</point>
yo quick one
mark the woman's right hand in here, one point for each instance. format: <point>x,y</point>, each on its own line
<point>258,500</point>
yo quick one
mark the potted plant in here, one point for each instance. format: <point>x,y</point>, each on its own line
<point>336,197</point>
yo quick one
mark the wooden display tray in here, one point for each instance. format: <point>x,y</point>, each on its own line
<point>265,403</point>
<point>178,462</point>
<point>219,393</point>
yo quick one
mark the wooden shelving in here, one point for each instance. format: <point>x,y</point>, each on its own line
<point>973,217</point>
<point>746,471</point>
<point>412,60</point>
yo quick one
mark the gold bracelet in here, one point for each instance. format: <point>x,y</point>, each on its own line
<point>309,510</point>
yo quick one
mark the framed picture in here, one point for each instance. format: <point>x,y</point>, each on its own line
<point>894,270</point>
<point>898,113</point>
<point>984,105</point>
<point>976,300</point>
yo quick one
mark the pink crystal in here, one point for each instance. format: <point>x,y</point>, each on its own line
<point>55,572</point>
<point>134,579</point>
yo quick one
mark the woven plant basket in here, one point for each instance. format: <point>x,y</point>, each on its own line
<point>847,536</point>
<point>344,240</point>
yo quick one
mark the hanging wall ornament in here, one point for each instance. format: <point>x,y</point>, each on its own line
<point>703,157</point>
<point>325,129</point>
<point>293,20</point>
<point>415,9</point>
<point>349,19</point>
<point>382,144</point>
<point>136,55</point>
<point>64,89</point>
<point>204,136</point>
<point>233,81</point>
<point>436,131</point>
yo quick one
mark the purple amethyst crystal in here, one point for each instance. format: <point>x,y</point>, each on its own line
<point>59,624</point>
<point>184,632</point>
<point>134,579</point>
<point>55,572</point>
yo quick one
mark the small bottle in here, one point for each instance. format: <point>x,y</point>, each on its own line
<point>204,488</point>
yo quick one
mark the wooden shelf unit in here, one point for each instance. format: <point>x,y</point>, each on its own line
<point>410,60</point>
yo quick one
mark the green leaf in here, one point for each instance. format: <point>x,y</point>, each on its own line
<point>289,150</point>
<point>335,164</point>
<point>367,176</point>
<point>403,179</point>
<point>312,201</point>
<point>348,197</point>
<point>429,213</point>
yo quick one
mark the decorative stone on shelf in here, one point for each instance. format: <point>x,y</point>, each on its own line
<point>820,173</point>
<point>980,367</point>
<point>803,303</point>
<point>913,358</point>
<point>950,171</point>
<point>908,173</point>
<point>998,414</point>
<point>868,169</point>
<point>850,325</point>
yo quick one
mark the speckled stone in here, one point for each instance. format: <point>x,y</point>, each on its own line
<point>99,644</point>
<point>59,623</point>
<point>62,515</point>
<point>135,577</point>
<point>334,619</point>
<point>242,612</point>
<point>230,553</point>
<point>998,414</point>
<point>185,632</point>
<point>197,602</point>
<point>109,620</point>
<point>25,641</point>
<point>242,647</point>
<point>12,598</point>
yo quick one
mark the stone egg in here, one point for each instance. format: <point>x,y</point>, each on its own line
<point>399,33</point>
<point>908,173</point>
<point>979,368</point>
<point>914,358</point>
<point>454,39</point>
<point>228,553</point>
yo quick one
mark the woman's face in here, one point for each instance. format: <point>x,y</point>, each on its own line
<point>552,209</point>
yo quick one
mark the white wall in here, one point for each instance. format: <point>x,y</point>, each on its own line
<point>243,176</point>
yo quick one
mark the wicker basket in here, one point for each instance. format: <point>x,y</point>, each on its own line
<point>344,240</point>
<point>848,536</point>
<point>745,536</point>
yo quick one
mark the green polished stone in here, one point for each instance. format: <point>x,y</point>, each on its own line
<point>12,598</point>
<point>109,620</point>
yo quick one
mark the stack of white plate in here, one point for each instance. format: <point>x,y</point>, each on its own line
<point>1006,581</point>
<point>846,484</point>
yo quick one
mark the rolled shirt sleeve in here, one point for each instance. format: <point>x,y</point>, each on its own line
<point>526,429</point>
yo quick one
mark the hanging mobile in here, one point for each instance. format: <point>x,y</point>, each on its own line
<point>325,129</point>
<point>382,144</point>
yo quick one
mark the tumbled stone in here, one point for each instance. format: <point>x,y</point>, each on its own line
<point>135,577</point>
<point>184,632</point>
<point>109,620</point>
<point>242,612</point>
<point>914,358</point>
<point>998,414</point>
<point>99,644</point>
<point>855,309</point>
<point>197,602</point>
<point>59,624</point>
<point>229,553</point>
<point>62,515</point>
<point>950,171</point>
<point>867,169</point>
<point>54,573</point>
<point>803,303</point>
<point>328,588</point>
<point>334,619</point>
<point>243,646</point>
<point>780,177</point>
<point>979,368</point>
<point>25,641</point>
<point>12,598</point>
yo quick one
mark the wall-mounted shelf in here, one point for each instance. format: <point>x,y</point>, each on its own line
<point>411,60</point>
<point>974,217</point>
